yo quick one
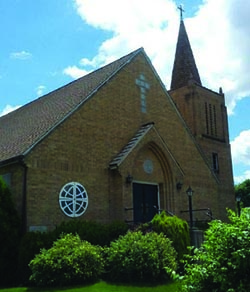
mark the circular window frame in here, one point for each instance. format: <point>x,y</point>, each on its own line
<point>73,199</point>
<point>148,166</point>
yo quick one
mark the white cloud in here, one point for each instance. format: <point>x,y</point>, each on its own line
<point>240,147</point>
<point>8,108</point>
<point>74,72</point>
<point>22,55</point>
<point>221,47</point>
<point>134,24</point>
<point>40,90</point>
<point>125,16</point>
<point>243,177</point>
<point>219,35</point>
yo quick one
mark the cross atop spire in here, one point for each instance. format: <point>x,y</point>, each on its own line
<point>181,11</point>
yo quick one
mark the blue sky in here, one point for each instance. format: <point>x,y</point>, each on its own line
<point>48,43</point>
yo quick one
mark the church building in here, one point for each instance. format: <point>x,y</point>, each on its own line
<point>117,145</point>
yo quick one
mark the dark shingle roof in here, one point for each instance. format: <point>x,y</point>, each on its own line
<point>119,158</point>
<point>23,128</point>
<point>184,68</point>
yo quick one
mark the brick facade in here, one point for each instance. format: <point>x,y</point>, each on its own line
<point>81,148</point>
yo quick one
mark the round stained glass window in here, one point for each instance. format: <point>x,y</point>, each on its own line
<point>73,199</point>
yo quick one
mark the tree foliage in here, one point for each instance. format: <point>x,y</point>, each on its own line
<point>223,262</point>
<point>243,191</point>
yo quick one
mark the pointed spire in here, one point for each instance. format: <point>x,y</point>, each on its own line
<point>184,68</point>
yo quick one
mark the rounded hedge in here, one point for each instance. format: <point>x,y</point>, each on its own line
<point>139,257</point>
<point>69,261</point>
<point>94,232</point>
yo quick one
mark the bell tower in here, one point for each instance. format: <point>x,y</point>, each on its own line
<point>204,112</point>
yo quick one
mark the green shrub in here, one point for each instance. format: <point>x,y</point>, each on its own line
<point>9,236</point>
<point>223,262</point>
<point>174,228</point>
<point>114,230</point>
<point>90,231</point>
<point>31,244</point>
<point>69,261</point>
<point>139,257</point>
<point>94,232</point>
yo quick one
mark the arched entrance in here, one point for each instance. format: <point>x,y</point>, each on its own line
<point>152,187</point>
<point>145,201</point>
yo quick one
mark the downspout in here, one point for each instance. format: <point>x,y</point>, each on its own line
<point>24,197</point>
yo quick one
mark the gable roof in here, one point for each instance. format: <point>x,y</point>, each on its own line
<point>120,157</point>
<point>23,128</point>
<point>134,141</point>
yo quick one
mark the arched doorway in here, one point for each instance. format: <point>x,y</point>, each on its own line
<point>152,187</point>
<point>145,201</point>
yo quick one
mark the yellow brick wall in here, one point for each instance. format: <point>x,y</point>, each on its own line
<point>81,148</point>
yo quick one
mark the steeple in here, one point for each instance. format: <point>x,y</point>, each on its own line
<point>184,68</point>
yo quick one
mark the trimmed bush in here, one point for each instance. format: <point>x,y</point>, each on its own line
<point>175,229</point>
<point>31,244</point>
<point>115,229</point>
<point>69,261</point>
<point>172,227</point>
<point>223,262</point>
<point>139,257</point>
<point>93,232</point>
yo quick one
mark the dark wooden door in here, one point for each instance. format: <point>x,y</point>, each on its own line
<point>145,202</point>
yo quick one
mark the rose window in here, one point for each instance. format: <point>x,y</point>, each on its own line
<point>73,199</point>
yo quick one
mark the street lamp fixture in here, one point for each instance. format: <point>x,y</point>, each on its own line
<point>238,199</point>
<point>189,192</point>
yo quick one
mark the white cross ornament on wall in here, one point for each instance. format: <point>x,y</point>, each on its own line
<point>144,86</point>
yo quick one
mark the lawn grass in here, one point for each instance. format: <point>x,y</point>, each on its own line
<point>101,287</point>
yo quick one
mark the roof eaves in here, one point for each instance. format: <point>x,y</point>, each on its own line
<point>12,160</point>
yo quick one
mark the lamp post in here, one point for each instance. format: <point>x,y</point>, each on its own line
<point>190,192</point>
<point>238,199</point>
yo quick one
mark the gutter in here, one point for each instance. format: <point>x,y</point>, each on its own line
<point>12,160</point>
